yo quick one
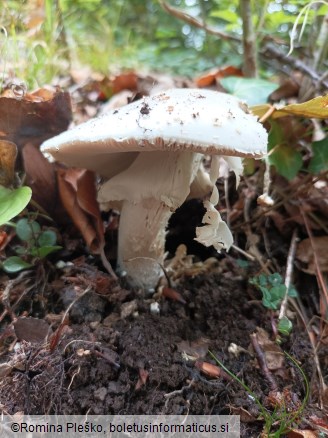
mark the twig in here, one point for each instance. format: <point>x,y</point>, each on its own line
<point>244,253</point>
<point>106,358</point>
<point>106,264</point>
<point>263,363</point>
<point>249,40</point>
<point>73,303</point>
<point>9,309</point>
<point>289,273</point>
<point>194,22</point>
<point>269,51</point>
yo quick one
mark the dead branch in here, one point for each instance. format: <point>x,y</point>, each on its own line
<point>289,272</point>
<point>269,51</point>
<point>263,363</point>
<point>181,15</point>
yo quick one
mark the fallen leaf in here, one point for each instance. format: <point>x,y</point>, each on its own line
<point>289,88</point>
<point>273,353</point>
<point>78,194</point>
<point>41,177</point>
<point>211,77</point>
<point>3,240</point>
<point>194,349</point>
<point>32,330</point>
<point>8,154</point>
<point>245,416</point>
<point>5,369</point>
<point>319,423</point>
<point>211,370</point>
<point>34,117</point>
<point>302,434</point>
<point>173,295</point>
<point>305,254</point>
<point>143,377</point>
<point>125,81</point>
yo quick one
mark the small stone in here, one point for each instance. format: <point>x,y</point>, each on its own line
<point>129,308</point>
<point>154,308</point>
<point>100,393</point>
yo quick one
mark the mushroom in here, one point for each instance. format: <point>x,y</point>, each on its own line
<point>152,153</point>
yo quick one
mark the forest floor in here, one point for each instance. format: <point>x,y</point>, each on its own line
<point>110,350</point>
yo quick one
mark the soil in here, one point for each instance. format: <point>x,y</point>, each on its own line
<point>116,353</point>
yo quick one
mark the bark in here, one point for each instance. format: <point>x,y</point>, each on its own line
<point>249,40</point>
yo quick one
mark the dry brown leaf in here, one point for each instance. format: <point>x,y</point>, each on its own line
<point>319,423</point>
<point>295,215</point>
<point>245,416</point>
<point>318,198</point>
<point>194,349</point>
<point>125,81</point>
<point>289,88</point>
<point>302,434</point>
<point>32,330</point>
<point>305,254</point>
<point>211,370</point>
<point>273,353</point>
<point>8,154</point>
<point>173,295</point>
<point>34,117</point>
<point>36,15</point>
<point>41,177</point>
<point>211,77</point>
<point>78,194</point>
<point>143,377</point>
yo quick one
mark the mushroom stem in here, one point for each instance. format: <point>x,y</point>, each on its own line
<point>141,241</point>
<point>150,190</point>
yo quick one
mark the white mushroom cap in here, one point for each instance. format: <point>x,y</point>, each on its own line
<point>202,121</point>
<point>173,129</point>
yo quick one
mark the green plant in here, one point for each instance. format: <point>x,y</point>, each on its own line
<point>281,417</point>
<point>36,245</point>
<point>12,202</point>
<point>273,289</point>
<point>273,292</point>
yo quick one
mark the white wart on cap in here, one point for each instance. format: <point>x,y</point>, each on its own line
<point>152,151</point>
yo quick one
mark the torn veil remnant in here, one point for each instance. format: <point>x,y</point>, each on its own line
<point>151,151</point>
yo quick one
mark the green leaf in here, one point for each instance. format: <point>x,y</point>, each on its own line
<point>287,160</point>
<point>12,202</point>
<point>275,279</point>
<point>314,108</point>
<point>244,264</point>
<point>319,161</point>
<point>262,279</point>
<point>292,292</point>
<point>47,238</point>
<point>44,251</point>
<point>226,15</point>
<point>254,91</point>
<point>15,264</point>
<point>21,250</point>
<point>278,292</point>
<point>285,326</point>
<point>27,230</point>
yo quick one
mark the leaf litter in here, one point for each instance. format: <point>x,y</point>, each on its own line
<point>109,360</point>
